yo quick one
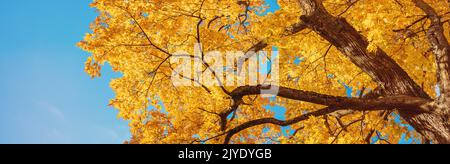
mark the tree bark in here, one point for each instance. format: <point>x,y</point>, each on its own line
<point>429,118</point>
<point>384,70</point>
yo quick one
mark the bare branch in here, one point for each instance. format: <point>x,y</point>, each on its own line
<point>362,104</point>
<point>234,131</point>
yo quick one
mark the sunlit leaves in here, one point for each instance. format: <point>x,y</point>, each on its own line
<point>136,36</point>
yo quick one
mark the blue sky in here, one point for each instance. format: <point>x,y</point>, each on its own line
<point>45,97</point>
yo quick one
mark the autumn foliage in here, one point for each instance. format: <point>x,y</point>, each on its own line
<point>351,71</point>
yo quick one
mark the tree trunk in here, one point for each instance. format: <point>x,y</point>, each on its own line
<point>433,126</point>
<point>392,79</point>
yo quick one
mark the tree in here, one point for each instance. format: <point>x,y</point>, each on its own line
<point>391,57</point>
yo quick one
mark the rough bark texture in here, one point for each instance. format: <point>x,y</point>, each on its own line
<point>383,69</point>
<point>430,118</point>
<point>361,104</point>
<point>441,49</point>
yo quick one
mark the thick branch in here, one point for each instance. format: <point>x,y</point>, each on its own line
<point>335,104</point>
<point>383,69</point>
<point>391,78</point>
<point>274,121</point>
<point>362,104</point>
<point>296,28</point>
<point>440,47</point>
